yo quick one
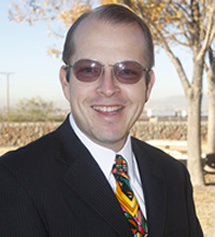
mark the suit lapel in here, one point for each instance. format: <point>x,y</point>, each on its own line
<point>92,186</point>
<point>96,192</point>
<point>154,190</point>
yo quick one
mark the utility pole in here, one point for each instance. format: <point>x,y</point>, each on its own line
<point>7,74</point>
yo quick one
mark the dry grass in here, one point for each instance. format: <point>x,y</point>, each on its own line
<point>204,198</point>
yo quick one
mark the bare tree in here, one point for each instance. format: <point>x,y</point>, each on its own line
<point>210,70</point>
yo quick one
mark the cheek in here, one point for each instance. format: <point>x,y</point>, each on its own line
<point>137,94</point>
<point>78,94</point>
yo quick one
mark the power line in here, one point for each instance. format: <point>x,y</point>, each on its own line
<point>7,74</point>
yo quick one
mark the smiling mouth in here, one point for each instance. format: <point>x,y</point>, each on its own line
<point>108,109</point>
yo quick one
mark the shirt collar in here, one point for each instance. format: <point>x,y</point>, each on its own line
<point>104,157</point>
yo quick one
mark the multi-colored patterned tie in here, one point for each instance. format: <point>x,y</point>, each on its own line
<point>127,200</point>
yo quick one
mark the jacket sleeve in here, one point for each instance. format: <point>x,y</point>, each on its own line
<point>18,215</point>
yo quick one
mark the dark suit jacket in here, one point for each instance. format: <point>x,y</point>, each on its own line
<point>53,187</point>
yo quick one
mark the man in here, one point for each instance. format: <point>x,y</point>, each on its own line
<point>89,177</point>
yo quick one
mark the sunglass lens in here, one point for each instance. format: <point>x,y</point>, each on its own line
<point>87,70</point>
<point>128,72</point>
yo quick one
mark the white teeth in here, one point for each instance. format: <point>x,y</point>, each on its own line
<point>107,109</point>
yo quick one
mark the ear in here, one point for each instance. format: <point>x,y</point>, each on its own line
<point>64,83</point>
<point>150,84</point>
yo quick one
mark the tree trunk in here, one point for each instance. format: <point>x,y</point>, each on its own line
<point>194,164</point>
<point>211,118</point>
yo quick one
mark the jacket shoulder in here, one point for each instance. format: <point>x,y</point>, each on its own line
<point>31,153</point>
<point>37,150</point>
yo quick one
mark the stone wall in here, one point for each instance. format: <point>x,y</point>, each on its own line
<point>172,130</point>
<point>19,134</point>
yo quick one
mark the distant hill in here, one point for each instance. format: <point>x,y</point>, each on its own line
<point>173,103</point>
<point>177,102</point>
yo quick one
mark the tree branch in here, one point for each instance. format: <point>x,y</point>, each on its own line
<point>209,34</point>
<point>175,60</point>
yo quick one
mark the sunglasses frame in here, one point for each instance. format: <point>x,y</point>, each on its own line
<point>102,66</point>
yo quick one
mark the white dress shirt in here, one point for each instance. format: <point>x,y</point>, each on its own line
<point>106,158</point>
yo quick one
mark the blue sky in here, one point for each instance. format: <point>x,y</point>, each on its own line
<point>23,51</point>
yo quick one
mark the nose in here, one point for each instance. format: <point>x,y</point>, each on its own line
<point>108,85</point>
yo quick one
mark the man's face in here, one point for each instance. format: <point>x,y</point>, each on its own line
<point>106,109</point>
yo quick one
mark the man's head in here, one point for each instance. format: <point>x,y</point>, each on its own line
<point>113,14</point>
<point>108,55</point>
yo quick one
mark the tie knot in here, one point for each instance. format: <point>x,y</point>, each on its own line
<point>120,168</point>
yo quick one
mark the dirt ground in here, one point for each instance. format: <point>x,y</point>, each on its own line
<point>204,198</point>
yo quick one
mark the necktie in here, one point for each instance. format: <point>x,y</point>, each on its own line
<point>127,200</point>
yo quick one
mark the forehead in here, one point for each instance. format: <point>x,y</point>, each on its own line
<point>97,38</point>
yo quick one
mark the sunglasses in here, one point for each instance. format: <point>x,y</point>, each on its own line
<point>127,72</point>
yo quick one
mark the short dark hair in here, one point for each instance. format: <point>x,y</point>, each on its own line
<point>111,13</point>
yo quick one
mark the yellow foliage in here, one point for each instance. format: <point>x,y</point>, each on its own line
<point>159,26</point>
<point>179,14</point>
<point>158,13</point>
<point>159,9</point>
<point>70,15</point>
<point>152,5</point>
<point>162,5</point>
<point>54,52</point>
<point>103,2</point>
